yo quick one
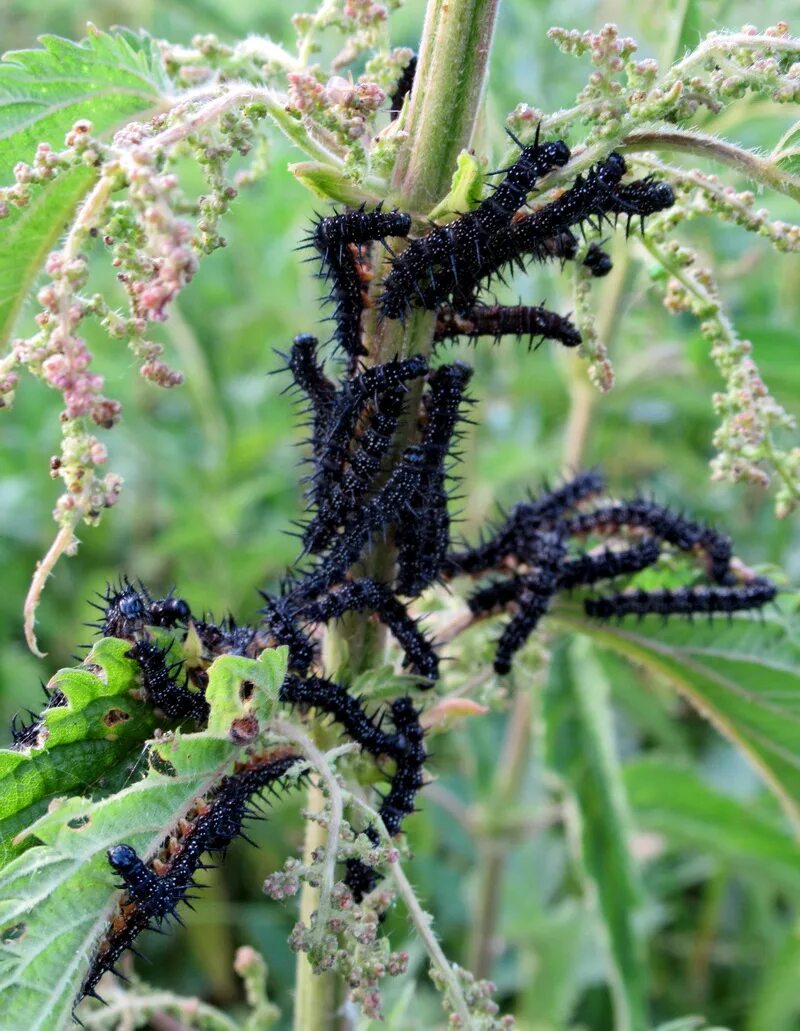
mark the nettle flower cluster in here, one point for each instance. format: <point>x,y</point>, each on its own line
<point>371,487</point>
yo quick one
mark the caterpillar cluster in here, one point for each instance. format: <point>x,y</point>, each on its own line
<point>448,266</point>
<point>531,546</point>
<point>366,486</point>
<point>153,890</point>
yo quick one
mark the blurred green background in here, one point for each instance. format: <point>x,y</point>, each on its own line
<point>211,488</point>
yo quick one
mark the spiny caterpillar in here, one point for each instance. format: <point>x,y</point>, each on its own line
<point>127,609</point>
<point>423,538</point>
<point>154,890</point>
<point>449,265</point>
<point>367,595</point>
<point>532,545</point>
<point>161,686</point>
<point>338,241</point>
<point>497,320</point>
<point>403,88</point>
<point>430,269</point>
<point>704,599</point>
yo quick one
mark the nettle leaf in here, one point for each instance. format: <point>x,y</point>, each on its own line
<point>88,743</point>
<point>30,233</point>
<point>582,750</point>
<point>56,898</point>
<point>786,155</point>
<point>742,674</point>
<point>673,800</point>
<point>107,79</point>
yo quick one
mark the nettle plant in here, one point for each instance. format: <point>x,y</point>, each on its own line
<point>150,756</point>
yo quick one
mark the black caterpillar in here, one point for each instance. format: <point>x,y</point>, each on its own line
<point>684,534</point>
<point>685,601</point>
<point>423,537</point>
<point>497,320</point>
<point>367,595</point>
<point>403,88</point>
<point>127,609</point>
<point>451,263</point>
<point>154,890</point>
<point>405,746</point>
<point>338,240</point>
<point>161,686</point>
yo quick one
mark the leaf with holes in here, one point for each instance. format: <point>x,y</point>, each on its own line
<point>239,688</point>
<point>88,743</point>
<point>56,898</point>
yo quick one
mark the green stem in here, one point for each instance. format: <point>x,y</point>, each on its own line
<point>759,169</point>
<point>316,995</point>
<point>450,79</point>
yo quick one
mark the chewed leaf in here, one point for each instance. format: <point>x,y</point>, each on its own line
<point>240,687</point>
<point>86,743</point>
<point>55,899</point>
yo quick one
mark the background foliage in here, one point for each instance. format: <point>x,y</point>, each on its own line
<point>211,482</point>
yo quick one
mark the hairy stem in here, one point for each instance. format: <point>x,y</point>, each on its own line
<point>316,995</point>
<point>751,165</point>
<point>451,74</point>
<point>128,1006</point>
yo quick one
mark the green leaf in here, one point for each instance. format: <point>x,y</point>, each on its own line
<point>786,154</point>
<point>776,1004</point>
<point>673,800</point>
<point>56,898</point>
<point>241,687</point>
<point>327,183</point>
<point>742,674</point>
<point>466,188</point>
<point>582,750</point>
<point>107,79</point>
<point>30,233</point>
<point>83,743</point>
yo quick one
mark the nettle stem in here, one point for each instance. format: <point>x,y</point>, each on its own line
<point>449,86</point>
